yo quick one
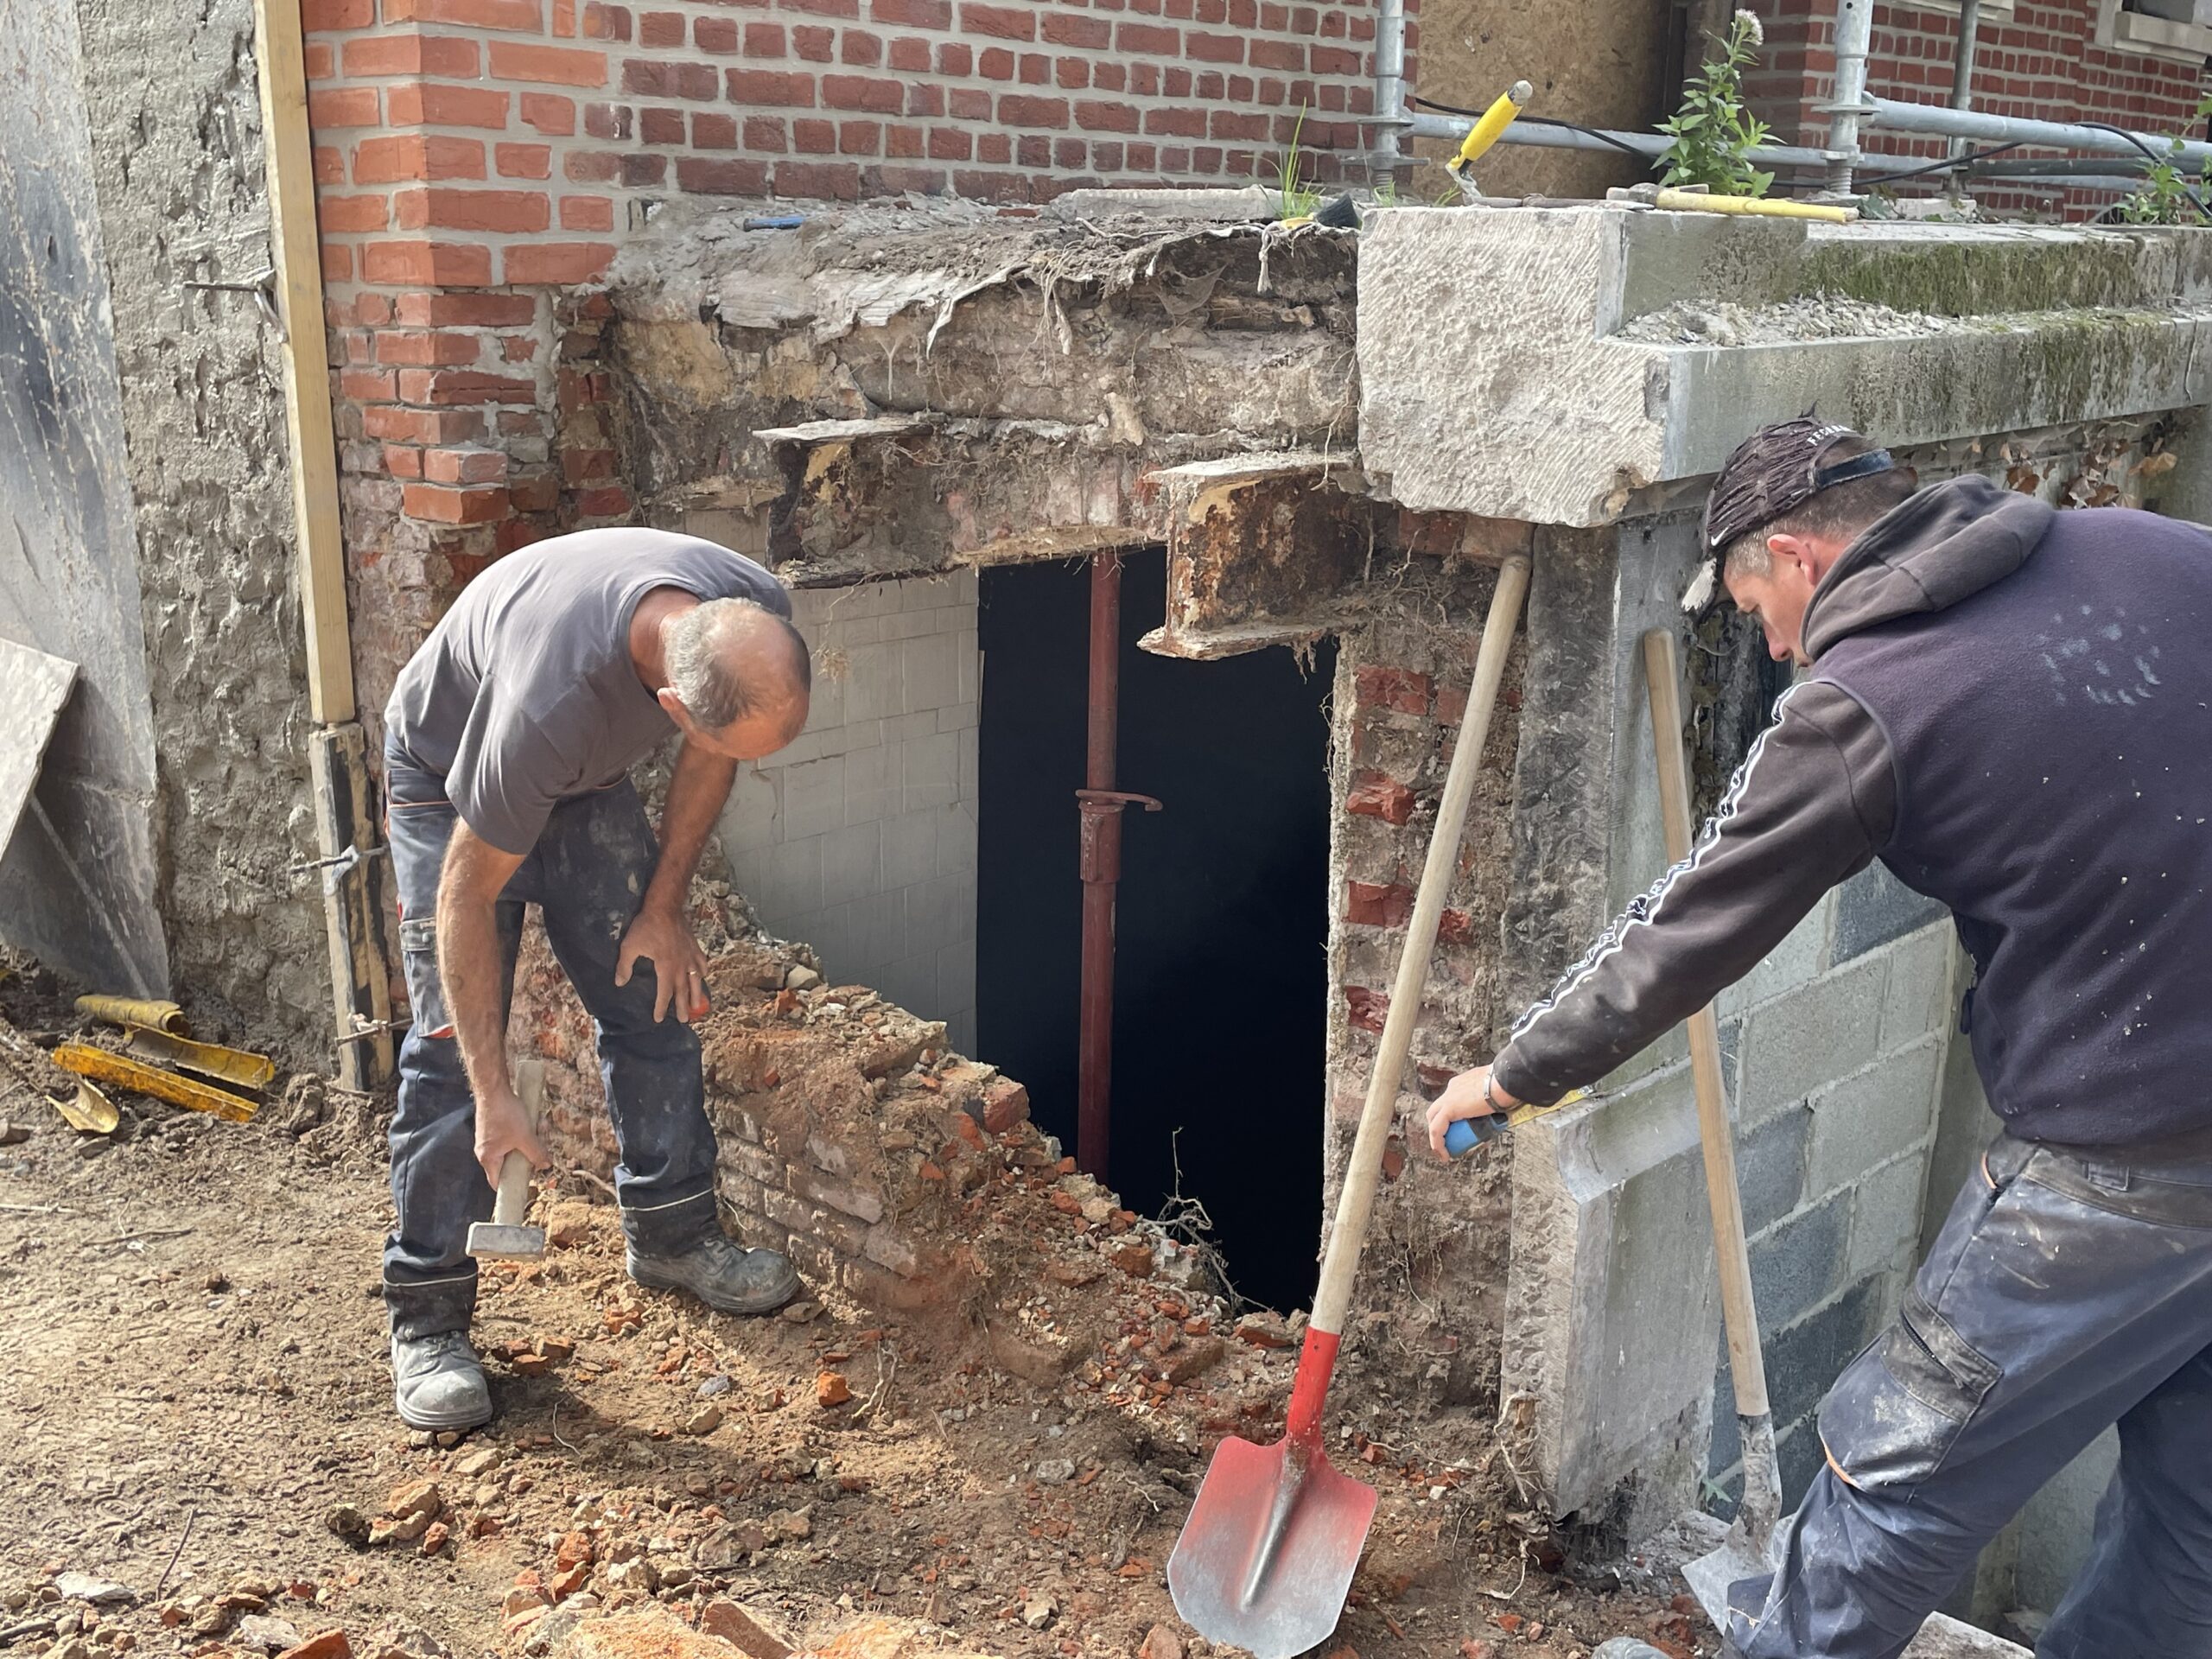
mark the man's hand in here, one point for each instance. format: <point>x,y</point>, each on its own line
<point>661,936</point>
<point>503,1126</point>
<point>1462,1099</point>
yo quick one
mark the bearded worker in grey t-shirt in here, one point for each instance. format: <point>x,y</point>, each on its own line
<point>509,740</point>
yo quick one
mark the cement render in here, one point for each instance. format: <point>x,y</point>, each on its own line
<point>177,157</point>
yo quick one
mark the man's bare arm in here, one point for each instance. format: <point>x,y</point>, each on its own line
<point>470,968</point>
<point>660,933</point>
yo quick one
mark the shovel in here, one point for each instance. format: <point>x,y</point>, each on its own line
<point>1742,1553</point>
<point>1267,1556</point>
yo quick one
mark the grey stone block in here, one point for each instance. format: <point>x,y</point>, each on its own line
<point>1870,1117</point>
<point>1798,1262</point>
<point>1805,1360</point>
<point>1770,1168</point>
<point>1797,1451</point>
<point>1874,907</point>
<point>1804,1041</point>
<point>1885,1215</point>
<point>1918,1002</point>
<point>1799,958</point>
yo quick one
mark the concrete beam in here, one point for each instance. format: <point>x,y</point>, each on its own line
<point>1524,364</point>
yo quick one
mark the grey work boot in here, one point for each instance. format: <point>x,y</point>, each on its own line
<point>725,1276</point>
<point>438,1382</point>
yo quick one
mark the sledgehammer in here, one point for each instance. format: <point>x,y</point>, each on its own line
<point>504,1234</point>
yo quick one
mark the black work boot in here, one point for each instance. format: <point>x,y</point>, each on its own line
<point>725,1276</point>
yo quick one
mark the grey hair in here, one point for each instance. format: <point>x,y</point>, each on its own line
<point>1749,555</point>
<point>717,683</point>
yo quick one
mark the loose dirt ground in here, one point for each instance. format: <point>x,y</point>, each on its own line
<point>194,1400</point>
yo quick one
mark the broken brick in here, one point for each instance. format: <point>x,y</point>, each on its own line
<point>1374,904</point>
<point>1367,1009</point>
<point>1132,1255</point>
<point>575,1549</point>
<point>1006,1105</point>
<point>830,1389</point>
<point>1377,795</point>
<point>323,1644</point>
<point>1393,689</point>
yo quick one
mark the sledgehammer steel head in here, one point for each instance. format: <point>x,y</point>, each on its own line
<point>493,1238</point>
<point>505,1235</point>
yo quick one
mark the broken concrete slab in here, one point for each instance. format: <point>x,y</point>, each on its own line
<point>1612,1312</point>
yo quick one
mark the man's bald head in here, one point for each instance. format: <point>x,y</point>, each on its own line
<point>742,673</point>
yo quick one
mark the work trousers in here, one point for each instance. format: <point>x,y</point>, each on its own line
<point>2065,1294</point>
<point>587,874</point>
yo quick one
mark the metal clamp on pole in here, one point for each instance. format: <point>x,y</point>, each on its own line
<point>338,866</point>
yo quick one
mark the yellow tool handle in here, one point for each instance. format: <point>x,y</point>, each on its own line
<point>1697,201</point>
<point>1495,120</point>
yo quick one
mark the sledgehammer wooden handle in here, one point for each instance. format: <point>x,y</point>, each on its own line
<point>512,1204</point>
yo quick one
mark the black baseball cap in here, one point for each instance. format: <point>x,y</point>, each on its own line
<point>1774,471</point>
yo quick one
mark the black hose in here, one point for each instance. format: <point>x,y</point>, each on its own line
<point>1947,165</point>
<point>2155,159</point>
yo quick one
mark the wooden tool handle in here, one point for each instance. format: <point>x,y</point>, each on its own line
<point>1746,1363</point>
<point>513,1202</point>
<point>1356,1203</point>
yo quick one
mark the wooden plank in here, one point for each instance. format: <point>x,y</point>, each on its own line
<point>295,249</point>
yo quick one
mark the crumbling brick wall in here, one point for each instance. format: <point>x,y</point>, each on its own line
<point>1434,1294</point>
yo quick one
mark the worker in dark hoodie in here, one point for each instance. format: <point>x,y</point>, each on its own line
<point>2012,708</point>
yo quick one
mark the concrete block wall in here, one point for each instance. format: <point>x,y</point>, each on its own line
<point>1834,1053</point>
<point>860,838</point>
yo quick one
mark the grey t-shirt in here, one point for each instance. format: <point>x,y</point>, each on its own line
<point>526,693</point>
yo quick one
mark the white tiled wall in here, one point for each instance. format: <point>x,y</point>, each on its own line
<point>861,837</point>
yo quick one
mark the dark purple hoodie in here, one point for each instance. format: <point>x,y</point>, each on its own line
<point>2011,708</point>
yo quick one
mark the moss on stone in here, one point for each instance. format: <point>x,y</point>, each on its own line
<point>1971,275</point>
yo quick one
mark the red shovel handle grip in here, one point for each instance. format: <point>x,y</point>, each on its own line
<point>1317,1361</point>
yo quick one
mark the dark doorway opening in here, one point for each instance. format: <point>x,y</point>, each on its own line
<point>1221,983</point>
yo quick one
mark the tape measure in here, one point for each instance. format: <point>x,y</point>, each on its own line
<point>1465,1135</point>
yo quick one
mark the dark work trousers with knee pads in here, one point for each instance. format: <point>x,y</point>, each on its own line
<point>587,875</point>
<point>2065,1294</point>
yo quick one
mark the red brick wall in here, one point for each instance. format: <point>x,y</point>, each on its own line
<point>480,161</point>
<point>2043,62</point>
<point>549,113</point>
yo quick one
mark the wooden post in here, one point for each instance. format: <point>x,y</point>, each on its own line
<point>296,252</point>
<point>345,822</point>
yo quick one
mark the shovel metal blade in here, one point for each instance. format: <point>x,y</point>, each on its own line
<point>1267,1554</point>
